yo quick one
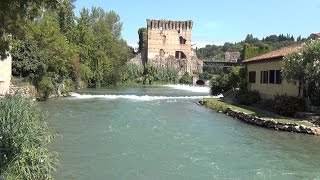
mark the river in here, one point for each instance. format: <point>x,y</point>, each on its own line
<point>159,132</point>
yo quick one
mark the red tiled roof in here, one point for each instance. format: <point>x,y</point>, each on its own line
<point>273,54</point>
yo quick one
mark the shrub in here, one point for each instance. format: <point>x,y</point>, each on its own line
<point>68,86</point>
<point>234,78</point>
<point>248,97</point>
<point>287,105</point>
<point>205,75</point>
<point>186,79</point>
<point>45,87</point>
<point>24,135</point>
<point>315,97</point>
<point>149,74</point>
<point>220,84</point>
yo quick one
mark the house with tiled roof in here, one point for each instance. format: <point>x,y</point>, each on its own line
<point>314,36</point>
<point>264,74</point>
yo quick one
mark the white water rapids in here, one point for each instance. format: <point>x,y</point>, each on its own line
<point>151,98</point>
<point>200,89</point>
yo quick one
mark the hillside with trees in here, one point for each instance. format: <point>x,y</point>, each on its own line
<point>249,47</point>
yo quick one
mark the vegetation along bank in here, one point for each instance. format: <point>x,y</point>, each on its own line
<point>258,117</point>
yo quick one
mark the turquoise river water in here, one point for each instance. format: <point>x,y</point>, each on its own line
<point>159,132</point>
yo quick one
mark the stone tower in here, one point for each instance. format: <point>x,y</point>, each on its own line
<point>168,40</point>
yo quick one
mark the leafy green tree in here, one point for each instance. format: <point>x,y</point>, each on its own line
<point>28,60</point>
<point>44,51</point>
<point>250,50</point>
<point>220,84</point>
<point>234,78</point>
<point>14,14</point>
<point>303,68</point>
<point>143,39</point>
<point>66,17</point>
<point>272,38</point>
<point>102,50</point>
<point>250,39</point>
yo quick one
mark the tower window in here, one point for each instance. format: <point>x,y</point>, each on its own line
<point>182,40</point>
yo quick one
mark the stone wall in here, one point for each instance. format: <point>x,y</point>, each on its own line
<point>5,74</point>
<point>232,56</point>
<point>27,91</point>
<point>272,124</point>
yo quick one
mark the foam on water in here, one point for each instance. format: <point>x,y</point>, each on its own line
<point>135,97</point>
<point>201,89</point>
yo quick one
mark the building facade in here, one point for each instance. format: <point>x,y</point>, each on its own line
<point>5,74</point>
<point>264,74</point>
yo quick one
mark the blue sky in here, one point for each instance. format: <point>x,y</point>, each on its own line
<point>217,22</point>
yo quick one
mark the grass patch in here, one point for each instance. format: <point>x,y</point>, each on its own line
<point>218,105</point>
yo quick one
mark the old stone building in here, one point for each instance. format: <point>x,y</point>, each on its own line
<point>5,74</point>
<point>314,36</point>
<point>232,56</point>
<point>169,45</point>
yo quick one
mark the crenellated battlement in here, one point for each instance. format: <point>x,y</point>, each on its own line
<point>169,25</point>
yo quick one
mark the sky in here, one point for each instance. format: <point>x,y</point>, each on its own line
<point>216,22</point>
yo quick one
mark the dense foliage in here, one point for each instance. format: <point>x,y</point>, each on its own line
<point>154,74</point>
<point>205,75</point>
<point>15,13</point>
<point>234,78</point>
<point>186,79</point>
<point>54,45</point>
<point>143,39</point>
<point>287,105</point>
<point>250,50</point>
<point>24,135</point>
<point>303,68</point>
<point>248,97</point>
<point>249,47</point>
<point>132,73</point>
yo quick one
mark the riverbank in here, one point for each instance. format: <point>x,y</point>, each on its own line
<point>260,118</point>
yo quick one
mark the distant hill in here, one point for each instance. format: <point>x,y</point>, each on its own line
<point>249,47</point>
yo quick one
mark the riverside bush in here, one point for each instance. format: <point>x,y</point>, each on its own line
<point>248,97</point>
<point>45,87</point>
<point>149,74</point>
<point>186,79</point>
<point>287,105</point>
<point>233,79</point>
<point>24,135</point>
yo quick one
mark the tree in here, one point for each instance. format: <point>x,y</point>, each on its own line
<point>28,60</point>
<point>250,50</point>
<point>44,51</point>
<point>303,69</point>
<point>250,39</point>
<point>102,50</point>
<point>143,38</point>
<point>15,13</point>
<point>66,17</point>
<point>234,78</point>
<point>272,38</point>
